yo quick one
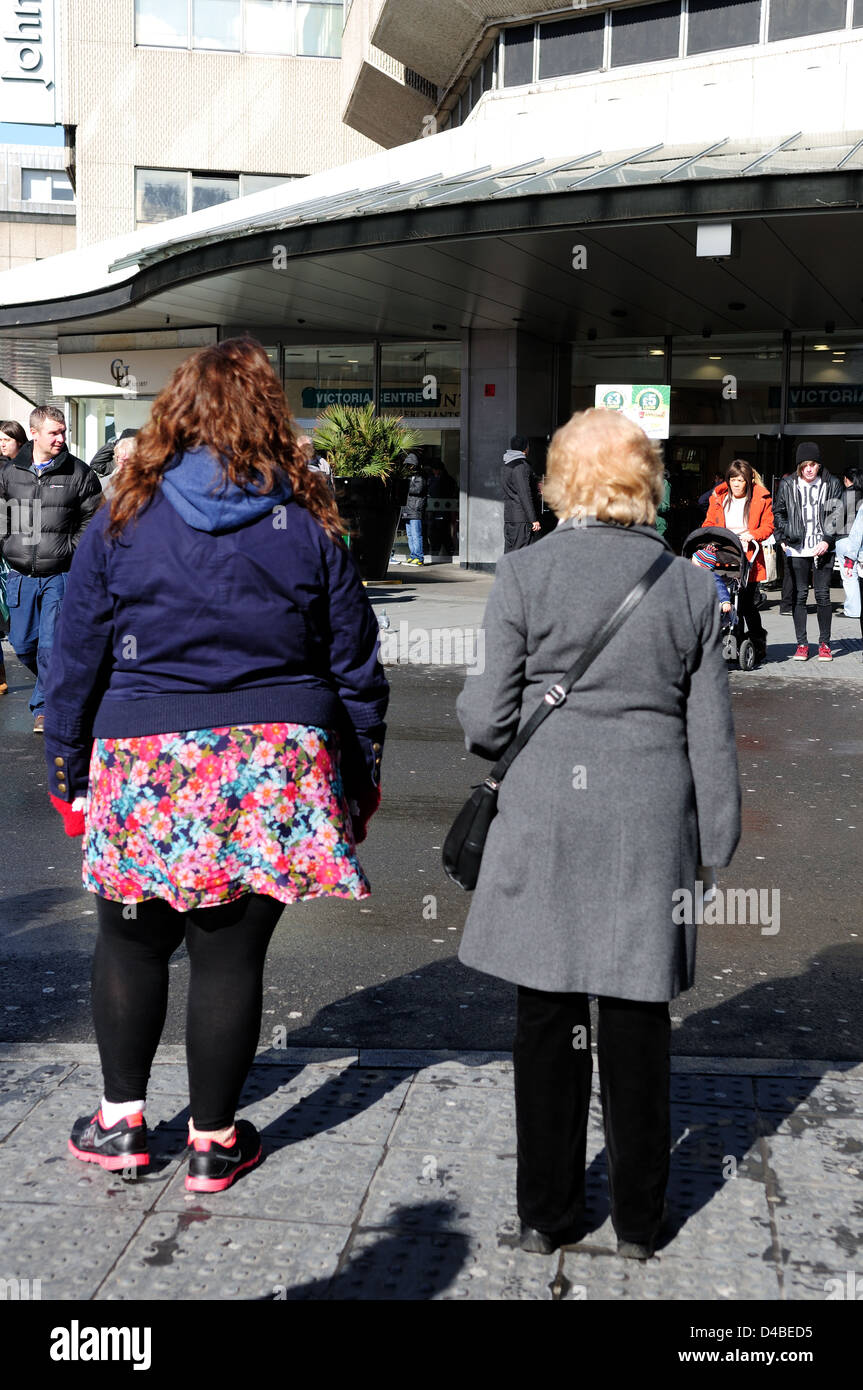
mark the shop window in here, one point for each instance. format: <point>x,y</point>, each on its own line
<point>826,383</point>
<point>216,24</point>
<point>319,29</point>
<point>269,27</point>
<point>421,379</point>
<point>209,190</point>
<point>717,24</point>
<point>518,56</point>
<point>488,72</point>
<point>162,23</point>
<point>627,361</point>
<point>46,186</point>
<point>159,195</point>
<point>573,46</point>
<point>731,380</point>
<point>645,34</point>
<point>303,28</point>
<point>791,19</point>
<point>316,377</point>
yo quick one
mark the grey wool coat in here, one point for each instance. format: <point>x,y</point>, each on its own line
<point>624,789</point>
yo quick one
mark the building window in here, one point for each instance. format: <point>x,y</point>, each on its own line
<point>791,19</point>
<point>295,28</point>
<point>46,186</point>
<point>716,24</point>
<point>161,194</point>
<point>518,56</point>
<point>573,46</point>
<point>646,34</point>
<point>858,14</point>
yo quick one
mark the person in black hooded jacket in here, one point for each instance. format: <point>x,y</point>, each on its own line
<point>47,497</point>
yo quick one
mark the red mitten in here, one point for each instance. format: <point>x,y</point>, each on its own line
<point>73,819</point>
<point>366,804</point>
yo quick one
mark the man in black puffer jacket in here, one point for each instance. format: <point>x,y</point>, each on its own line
<point>47,497</point>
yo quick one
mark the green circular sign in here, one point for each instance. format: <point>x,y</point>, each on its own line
<point>649,401</point>
<point>613,400</point>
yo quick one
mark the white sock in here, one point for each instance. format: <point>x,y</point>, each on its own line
<point>112,1114</point>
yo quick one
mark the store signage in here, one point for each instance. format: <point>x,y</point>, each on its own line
<point>318,398</point>
<point>817,396</point>
<point>27,62</point>
<point>647,406</point>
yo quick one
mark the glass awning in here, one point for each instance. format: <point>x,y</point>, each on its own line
<point>563,172</point>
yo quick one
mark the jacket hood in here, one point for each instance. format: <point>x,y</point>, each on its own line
<point>195,487</point>
<point>512,454</point>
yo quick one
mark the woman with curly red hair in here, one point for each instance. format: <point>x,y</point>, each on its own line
<point>214,778</point>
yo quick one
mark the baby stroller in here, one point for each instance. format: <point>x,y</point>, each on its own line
<point>732,566</point>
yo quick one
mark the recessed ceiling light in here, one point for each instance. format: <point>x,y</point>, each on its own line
<point>820,347</point>
<point>618,313</point>
<point>716,359</point>
<point>656,352</point>
<point>736,304</point>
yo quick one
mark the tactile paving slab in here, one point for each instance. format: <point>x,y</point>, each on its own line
<point>809,1096</point>
<point>356,1106</point>
<point>695,1089</point>
<point>399,1265</point>
<point>818,1150</point>
<point>199,1255</point>
<point>36,1166</point>
<point>69,1250</point>
<point>322,1180</point>
<point>662,1279</point>
<point>22,1086</point>
<point>448,1115</point>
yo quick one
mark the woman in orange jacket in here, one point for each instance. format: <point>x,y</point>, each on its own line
<point>743,506</point>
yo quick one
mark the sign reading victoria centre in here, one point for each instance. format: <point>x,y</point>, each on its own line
<point>319,397</point>
<point>647,406</point>
<point>28,92</point>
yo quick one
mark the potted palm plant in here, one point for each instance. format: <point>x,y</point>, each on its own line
<point>366,452</point>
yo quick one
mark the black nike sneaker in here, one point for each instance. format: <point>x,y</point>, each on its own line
<point>213,1167</point>
<point>123,1146</point>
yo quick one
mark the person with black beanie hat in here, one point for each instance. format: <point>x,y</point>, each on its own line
<point>808,515</point>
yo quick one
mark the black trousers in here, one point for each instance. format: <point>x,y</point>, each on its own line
<point>518,534</point>
<point>227,947</point>
<point>804,571</point>
<point>553,1068</point>
<point>749,614</point>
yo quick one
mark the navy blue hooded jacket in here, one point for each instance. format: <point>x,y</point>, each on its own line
<point>215,607</point>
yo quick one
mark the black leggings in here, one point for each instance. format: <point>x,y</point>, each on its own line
<point>227,947</point>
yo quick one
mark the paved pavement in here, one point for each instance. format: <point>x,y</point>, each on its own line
<point>390,1176</point>
<point>443,599</point>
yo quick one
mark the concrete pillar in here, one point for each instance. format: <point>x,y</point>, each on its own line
<point>508,387</point>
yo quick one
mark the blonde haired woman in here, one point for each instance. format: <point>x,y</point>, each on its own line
<point>603,817</point>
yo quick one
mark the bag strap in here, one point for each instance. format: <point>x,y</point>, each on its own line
<point>556,694</point>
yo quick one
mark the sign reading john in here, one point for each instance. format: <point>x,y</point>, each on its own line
<point>27,82</point>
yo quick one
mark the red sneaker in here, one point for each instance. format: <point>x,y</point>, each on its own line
<point>824,653</point>
<point>801,654</point>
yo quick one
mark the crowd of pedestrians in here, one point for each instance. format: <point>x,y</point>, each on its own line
<point>217,775</point>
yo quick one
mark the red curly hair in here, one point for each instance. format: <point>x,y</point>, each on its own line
<point>228,398</point>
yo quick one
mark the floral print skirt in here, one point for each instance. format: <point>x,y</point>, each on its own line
<point>202,817</point>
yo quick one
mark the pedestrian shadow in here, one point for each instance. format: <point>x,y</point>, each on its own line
<point>392,1263</point>
<point>719,1118</point>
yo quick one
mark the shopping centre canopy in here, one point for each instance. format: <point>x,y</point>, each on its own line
<point>457,231</point>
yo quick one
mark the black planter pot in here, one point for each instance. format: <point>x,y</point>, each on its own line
<point>372,510</point>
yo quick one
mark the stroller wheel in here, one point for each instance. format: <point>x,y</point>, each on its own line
<point>747,655</point>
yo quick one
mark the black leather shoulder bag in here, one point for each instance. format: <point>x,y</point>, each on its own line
<point>463,847</point>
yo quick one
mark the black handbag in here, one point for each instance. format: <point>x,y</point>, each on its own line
<point>463,846</point>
